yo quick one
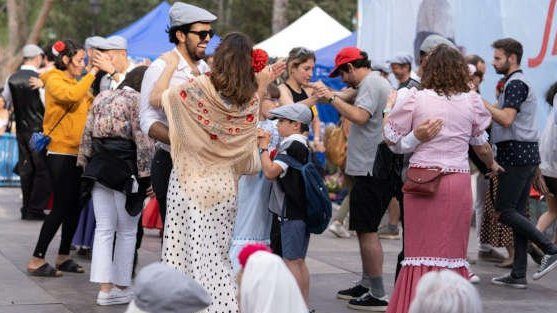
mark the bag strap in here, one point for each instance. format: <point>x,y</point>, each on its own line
<point>291,161</point>
<point>60,120</point>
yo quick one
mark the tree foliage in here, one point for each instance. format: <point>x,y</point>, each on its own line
<point>75,18</point>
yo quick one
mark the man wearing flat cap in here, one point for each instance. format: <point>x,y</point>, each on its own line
<point>116,48</point>
<point>190,30</point>
<point>401,65</point>
<point>28,107</point>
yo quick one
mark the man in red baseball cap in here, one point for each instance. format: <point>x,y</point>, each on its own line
<point>371,190</point>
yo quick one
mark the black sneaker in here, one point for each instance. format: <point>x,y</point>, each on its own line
<point>368,302</point>
<point>549,263</point>
<point>535,253</point>
<point>352,293</point>
<point>508,280</point>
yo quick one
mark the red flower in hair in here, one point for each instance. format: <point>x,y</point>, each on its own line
<point>248,250</point>
<point>259,59</point>
<point>58,47</point>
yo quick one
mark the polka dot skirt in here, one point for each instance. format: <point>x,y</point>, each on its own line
<point>197,240</point>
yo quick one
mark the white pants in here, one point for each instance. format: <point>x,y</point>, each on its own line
<point>112,219</point>
<point>480,185</point>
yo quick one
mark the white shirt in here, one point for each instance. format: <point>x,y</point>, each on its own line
<point>7,94</point>
<point>148,115</point>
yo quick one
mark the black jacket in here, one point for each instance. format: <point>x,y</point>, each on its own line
<point>28,107</point>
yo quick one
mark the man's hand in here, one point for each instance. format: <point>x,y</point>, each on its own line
<point>495,169</point>
<point>323,91</point>
<point>103,62</point>
<point>428,130</point>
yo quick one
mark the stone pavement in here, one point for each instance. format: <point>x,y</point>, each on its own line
<point>334,264</point>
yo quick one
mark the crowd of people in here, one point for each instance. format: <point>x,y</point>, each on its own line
<point>222,149</point>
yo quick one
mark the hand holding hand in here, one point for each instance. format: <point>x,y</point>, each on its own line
<point>540,185</point>
<point>495,169</point>
<point>428,130</point>
<point>263,139</point>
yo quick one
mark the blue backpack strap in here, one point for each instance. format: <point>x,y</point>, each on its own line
<point>290,161</point>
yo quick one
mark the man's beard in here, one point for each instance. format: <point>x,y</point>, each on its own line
<point>504,69</point>
<point>192,52</point>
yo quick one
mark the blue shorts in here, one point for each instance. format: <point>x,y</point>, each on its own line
<point>294,238</point>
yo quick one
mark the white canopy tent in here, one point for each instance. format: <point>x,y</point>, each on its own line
<point>314,30</point>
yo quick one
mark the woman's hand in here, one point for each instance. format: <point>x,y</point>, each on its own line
<point>171,59</point>
<point>270,73</point>
<point>263,138</point>
<point>540,185</point>
<point>495,169</point>
<point>35,83</point>
<point>103,62</point>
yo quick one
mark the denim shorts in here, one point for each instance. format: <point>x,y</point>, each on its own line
<point>294,239</point>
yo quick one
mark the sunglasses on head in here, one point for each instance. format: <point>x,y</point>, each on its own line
<point>203,33</point>
<point>302,51</point>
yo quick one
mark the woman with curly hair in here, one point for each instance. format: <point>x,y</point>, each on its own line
<point>437,224</point>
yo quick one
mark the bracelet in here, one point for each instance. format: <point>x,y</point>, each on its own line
<point>261,150</point>
<point>332,99</point>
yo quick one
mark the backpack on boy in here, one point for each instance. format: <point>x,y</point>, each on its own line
<point>319,207</point>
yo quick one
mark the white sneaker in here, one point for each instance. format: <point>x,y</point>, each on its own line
<point>473,278</point>
<point>338,229</point>
<point>115,296</point>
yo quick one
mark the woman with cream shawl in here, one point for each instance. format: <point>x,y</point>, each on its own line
<point>212,127</point>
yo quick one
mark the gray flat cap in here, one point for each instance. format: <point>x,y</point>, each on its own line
<point>95,42</point>
<point>295,112</point>
<point>162,289</point>
<point>31,51</point>
<point>114,43</point>
<point>182,13</point>
<point>382,67</point>
<point>401,58</point>
<point>433,41</point>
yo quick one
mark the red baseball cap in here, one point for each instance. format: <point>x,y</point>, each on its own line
<point>345,55</point>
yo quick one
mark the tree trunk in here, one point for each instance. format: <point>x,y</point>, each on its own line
<point>280,21</point>
<point>18,34</point>
<point>39,23</point>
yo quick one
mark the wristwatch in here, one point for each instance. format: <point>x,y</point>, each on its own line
<point>331,99</point>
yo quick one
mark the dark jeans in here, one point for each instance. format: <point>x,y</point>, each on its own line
<point>65,177</point>
<point>34,175</point>
<point>161,167</point>
<point>514,190</point>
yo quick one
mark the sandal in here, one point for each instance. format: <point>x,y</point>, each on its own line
<point>70,266</point>
<point>45,270</point>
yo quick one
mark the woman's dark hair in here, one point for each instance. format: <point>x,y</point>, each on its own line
<point>70,50</point>
<point>446,72</point>
<point>297,56</point>
<point>172,32</point>
<point>48,53</point>
<point>134,78</point>
<point>550,93</point>
<point>232,73</point>
<point>363,62</point>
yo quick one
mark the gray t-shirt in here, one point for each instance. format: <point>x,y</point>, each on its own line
<point>363,140</point>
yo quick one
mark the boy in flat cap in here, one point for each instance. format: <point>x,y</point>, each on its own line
<point>190,30</point>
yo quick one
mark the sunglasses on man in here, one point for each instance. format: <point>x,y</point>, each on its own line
<point>203,33</point>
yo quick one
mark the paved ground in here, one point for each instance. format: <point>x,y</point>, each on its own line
<point>334,264</point>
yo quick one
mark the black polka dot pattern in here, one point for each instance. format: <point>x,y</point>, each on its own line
<point>516,92</point>
<point>197,239</point>
<point>518,153</point>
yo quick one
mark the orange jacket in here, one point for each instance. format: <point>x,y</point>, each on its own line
<point>64,93</point>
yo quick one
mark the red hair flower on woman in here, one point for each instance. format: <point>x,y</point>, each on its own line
<point>58,47</point>
<point>259,59</point>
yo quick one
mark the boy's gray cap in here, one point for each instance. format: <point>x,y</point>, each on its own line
<point>383,67</point>
<point>161,288</point>
<point>182,13</point>
<point>401,58</point>
<point>298,112</point>
<point>95,42</point>
<point>114,43</point>
<point>433,41</point>
<point>31,51</point>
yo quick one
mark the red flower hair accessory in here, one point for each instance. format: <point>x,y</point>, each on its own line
<point>259,59</point>
<point>58,47</point>
<point>248,250</point>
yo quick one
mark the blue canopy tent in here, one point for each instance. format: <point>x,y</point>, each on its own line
<point>323,66</point>
<point>147,37</point>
